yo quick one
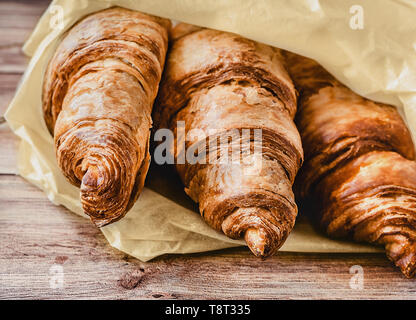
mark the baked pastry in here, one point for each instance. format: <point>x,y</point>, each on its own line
<point>359,164</point>
<point>98,95</point>
<point>222,88</point>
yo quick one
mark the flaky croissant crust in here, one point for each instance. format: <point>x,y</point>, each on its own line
<point>97,100</point>
<point>137,40</point>
<point>216,82</point>
<point>359,164</point>
<point>205,58</point>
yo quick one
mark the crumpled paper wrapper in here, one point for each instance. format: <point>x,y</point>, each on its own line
<point>374,56</point>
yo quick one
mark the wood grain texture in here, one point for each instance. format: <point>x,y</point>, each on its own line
<point>36,235</point>
<point>17,20</point>
<point>8,141</point>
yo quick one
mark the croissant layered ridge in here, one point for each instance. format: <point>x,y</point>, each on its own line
<point>359,164</point>
<point>98,95</point>
<point>228,88</point>
<point>204,58</point>
<point>375,201</point>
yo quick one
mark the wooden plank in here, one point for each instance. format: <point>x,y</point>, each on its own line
<point>21,14</point>
<point>12,59</point>
<point>37,235</point>
<point>17,20</point>
<point>8,141</point>
<point>8,154</point>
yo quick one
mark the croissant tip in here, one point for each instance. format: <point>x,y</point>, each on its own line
<point>100,223</point>
<point>91,178</point>
<point>408,269</point>
<point>256,242</point>
<point>408,272</point>
<point>409,275</point>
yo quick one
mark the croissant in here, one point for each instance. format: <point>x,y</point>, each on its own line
<point>98,94</point>
<point>224,87</point>
<point>359,164</point>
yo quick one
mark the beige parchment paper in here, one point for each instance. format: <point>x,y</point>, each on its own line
<point>368,45</point>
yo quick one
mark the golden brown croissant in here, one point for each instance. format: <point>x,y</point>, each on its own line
<point>98,94</point>
<point>359,164</point>
<point>217,83</point>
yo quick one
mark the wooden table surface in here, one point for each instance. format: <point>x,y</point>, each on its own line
<point>37,238</point>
